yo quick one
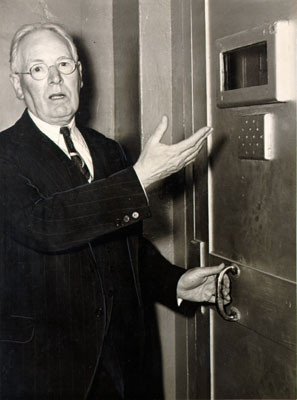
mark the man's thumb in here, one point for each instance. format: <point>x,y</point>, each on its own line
<point>213,270</point>
<point>161,129</point>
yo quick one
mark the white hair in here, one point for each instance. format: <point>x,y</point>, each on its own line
<point>26,29</point>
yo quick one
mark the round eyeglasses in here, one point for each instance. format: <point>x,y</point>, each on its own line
<point>40,71</point>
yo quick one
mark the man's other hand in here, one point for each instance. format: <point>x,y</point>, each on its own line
<point>199,285</point>
<point>158,160</point>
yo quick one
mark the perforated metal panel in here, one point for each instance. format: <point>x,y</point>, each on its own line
<point>254,134</point>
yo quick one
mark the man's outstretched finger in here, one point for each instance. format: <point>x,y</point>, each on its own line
<point>192,152</point>
<point>195,139</point>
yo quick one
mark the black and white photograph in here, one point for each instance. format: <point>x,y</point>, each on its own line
<point>148,199</point>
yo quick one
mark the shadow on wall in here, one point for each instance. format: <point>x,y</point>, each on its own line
<point>87,94</point>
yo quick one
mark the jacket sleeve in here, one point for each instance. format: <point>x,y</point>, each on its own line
<point>69,218</point>
<point>159,278</point>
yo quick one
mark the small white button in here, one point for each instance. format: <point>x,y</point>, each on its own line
<point>126,218</point>
<point>135,215</point>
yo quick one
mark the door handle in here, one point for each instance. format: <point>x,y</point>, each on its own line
<point>232,314</point>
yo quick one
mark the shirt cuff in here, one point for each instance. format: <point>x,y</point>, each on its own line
<point>143,188</point>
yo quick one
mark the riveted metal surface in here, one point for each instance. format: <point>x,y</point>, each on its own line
<point>250,366</point>
<point>252,218</point>
<point>253,202</point>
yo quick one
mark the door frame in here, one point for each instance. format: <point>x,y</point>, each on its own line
<point>192,334</point>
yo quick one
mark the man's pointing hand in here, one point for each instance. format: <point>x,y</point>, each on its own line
<point>158,160</point>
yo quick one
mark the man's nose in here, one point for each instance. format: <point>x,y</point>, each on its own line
<point>54,75</point>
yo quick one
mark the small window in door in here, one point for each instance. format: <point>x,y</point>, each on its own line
<point>254,66</point>
<point>245,66</point>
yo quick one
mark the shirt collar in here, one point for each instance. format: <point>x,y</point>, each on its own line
<point>52,131</point>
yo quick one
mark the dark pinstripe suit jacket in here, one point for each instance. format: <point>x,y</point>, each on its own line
<point>57,232</point>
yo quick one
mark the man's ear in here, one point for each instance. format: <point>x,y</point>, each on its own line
<point>16,83</point>
<point>80,73</point>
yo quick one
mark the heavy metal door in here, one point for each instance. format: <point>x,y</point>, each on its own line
<point>251,198</point>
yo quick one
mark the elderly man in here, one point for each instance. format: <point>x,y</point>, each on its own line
<point>73,263</point>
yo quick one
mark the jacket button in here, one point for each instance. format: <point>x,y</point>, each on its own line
<point>135,215</point>
<point>118,222</point>
<point>126,219</point>
<point>99,312</point>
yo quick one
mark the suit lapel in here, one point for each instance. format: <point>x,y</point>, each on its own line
<point>29,133</point>
<point>106,157</point>
<point>101,169</point>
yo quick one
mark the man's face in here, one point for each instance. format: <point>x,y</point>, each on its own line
<point>54,99</point>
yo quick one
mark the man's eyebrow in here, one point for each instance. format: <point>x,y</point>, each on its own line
<point>62,57</point>
<point>37,60</point>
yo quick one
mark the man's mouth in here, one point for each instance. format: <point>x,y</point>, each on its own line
<point>57,96</point>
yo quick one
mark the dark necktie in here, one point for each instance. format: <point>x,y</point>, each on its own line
<point>75,157</point>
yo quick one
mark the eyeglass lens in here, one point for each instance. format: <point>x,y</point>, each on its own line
<point>40,71</point>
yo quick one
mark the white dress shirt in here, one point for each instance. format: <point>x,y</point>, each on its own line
<point>53,133</point>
